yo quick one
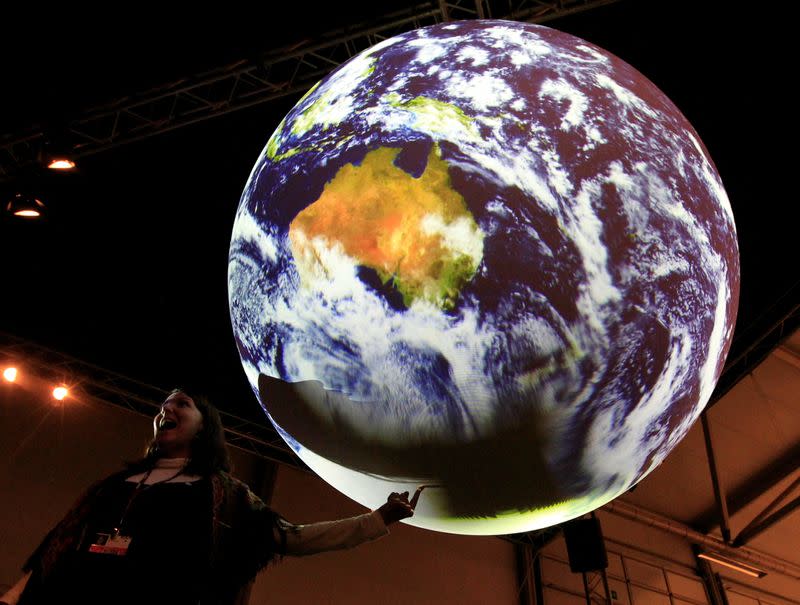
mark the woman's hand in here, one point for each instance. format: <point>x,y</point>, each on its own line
<point>398,506</point>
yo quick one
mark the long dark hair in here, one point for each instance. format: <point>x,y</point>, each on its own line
<point>209,449</point>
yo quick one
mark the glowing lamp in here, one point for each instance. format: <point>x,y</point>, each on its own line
<point>60,393</point>
<point>10,374</point>
<point>61,164</point>
<point>25,206</point>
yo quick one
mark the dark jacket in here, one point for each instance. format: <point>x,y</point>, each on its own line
<point>245,536</point>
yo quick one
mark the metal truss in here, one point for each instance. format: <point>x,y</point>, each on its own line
<point>536,539</point>
<point>90,382</point>
<point>290,71</point>
<point>536,11</point>
<point>743,554</point>
<point>758,339</point>
<point>276,73</point>
<point>770,515</point>
<point>779,469</point>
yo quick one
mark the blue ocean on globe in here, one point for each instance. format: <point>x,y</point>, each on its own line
<point>490,258</point>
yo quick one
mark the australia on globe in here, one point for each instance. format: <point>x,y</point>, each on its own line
<point>490,258</point>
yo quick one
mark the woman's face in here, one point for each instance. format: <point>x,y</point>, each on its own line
<point>176,426</point>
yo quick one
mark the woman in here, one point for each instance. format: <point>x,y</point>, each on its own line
<point>176,527</point>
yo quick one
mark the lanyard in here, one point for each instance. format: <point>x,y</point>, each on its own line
<point>140,487</point>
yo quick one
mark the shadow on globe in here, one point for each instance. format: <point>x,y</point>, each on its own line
<point>490,257</point>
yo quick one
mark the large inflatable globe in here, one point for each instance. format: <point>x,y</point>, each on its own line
<point>490,258</point>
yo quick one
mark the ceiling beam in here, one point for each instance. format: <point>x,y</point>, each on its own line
<point>769,516</point>
<point>745,554</point>
<point>789,356</point>
<point>274,74</point>
<point>783,466</point>
<point>747,535</point>
<point>111,388</point>
<point>720,497</point>
<point>755,341</point>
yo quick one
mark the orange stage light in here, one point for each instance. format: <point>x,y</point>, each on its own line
<point>61,164</point>
<point>59,393</point>
<point>10,374</point>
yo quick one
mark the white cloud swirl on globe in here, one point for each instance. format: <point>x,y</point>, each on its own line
<point>605,292</point>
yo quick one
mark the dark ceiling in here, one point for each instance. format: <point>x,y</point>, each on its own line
<point>129,270</point>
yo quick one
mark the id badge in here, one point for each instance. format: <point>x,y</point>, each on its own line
<point>110,544</point>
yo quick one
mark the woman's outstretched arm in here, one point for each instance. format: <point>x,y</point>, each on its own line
<point>313,538</point>
<point>12,595</point>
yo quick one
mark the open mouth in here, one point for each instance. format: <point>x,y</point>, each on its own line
<point>166,424</point>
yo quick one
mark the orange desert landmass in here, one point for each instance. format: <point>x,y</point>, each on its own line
<point>416,232</point>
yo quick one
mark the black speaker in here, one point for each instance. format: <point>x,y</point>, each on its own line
<point>585,547</point>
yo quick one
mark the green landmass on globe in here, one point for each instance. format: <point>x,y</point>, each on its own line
<point>416,232</point>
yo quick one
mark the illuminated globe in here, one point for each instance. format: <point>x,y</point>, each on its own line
<point>491,258</point>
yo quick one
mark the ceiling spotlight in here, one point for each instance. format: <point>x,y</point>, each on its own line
<point>10,374</point>
<point>753,572</point>
<point>25,206</point>
<point>61,163</point>
<point>60,393</point>
<point>57,153</point>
